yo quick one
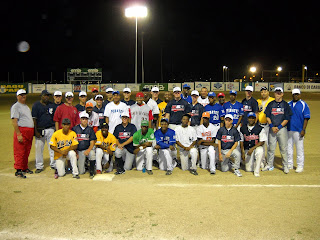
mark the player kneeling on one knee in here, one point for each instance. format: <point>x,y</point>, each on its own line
<point>253,137</point>
<point>105,146</point>
<point>64,143</point>
<point>143,140</point>
<point>228,137</point>
<point>86,138</point>
<point>186,138</point>
<point>206,134</point>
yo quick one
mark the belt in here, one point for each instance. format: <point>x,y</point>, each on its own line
<point>263,124</point>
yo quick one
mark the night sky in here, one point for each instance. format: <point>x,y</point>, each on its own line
<point>196,38</point>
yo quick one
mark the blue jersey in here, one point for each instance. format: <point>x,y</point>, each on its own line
<point>188,98</point>
<point>129,103</point>
<point>84,136</point>
<point>278,111</point>
<point>164,140</point>
<point>216,112</point>
<point>228,137</point>
<point>236,110</point>
<point>43,114</point>
<point>100,112</point>
<point>300,111</point>
<point>250,105</point>
<point>124,133</point>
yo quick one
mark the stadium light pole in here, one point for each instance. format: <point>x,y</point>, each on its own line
<point>136,12</point>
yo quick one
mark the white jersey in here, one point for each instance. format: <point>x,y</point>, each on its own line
<point>113,112</point>
<point>139,113</point>
<point>185,135</point>
<point>93,119</point>
<point>93,102</point>
<point>203,101</point>
<point>154,106</point>
<point>207,133</point>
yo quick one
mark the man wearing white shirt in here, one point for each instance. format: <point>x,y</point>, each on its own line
<point>152,104</point>
<point>203,99</point>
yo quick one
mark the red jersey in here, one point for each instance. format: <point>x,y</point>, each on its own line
<point>64,111</point>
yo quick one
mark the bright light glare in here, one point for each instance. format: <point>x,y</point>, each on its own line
<point>279,69</point>
<point>136,11</point>
<point>253,69</point>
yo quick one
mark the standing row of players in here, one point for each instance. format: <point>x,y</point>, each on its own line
<point>188,121</point>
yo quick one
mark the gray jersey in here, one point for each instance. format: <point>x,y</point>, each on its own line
<point>139,113</point>
<point>23,114</point>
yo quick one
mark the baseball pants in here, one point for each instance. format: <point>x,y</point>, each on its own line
<point>294,138</point>
<point>282,138</point>
<point>144,156</point>
<point>166,161</point>
<point>253,161</point>
<point>102,158</point>
<point>235,155</point>
<point>265,145</point>
<point>21,150</point>
<point>184,158</point>
<point>126,156</point>
<point>40,146</point>
<point>61,164</point>
<point>208,158</point>
<point>82,159</point>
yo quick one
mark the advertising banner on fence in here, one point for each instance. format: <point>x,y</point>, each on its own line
<point>199,85</point>
<point>304,87</point>
<point>273,85</point>
<point>161,86</point>
<point>90,86</point>
<point>217,87</point>
<point>13,88</point>
<point>232,86</point>
<point>59,87</point>
<point>259,85</point>
<point>119,86</point>
<point>171,86</point>
<point>133,87</point>
<point>38,88</point>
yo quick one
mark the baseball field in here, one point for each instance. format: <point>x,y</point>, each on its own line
<point>181,206</point>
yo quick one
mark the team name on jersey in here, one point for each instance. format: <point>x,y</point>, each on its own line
<point>215,114</point>
<point>124,135</point>
<point>227,138</point>
<point>277,111</point>
<point>65,143</point>
<point>194,112</point>
<point>82,137</point>
<point>116,110</point>
<point>247,108</point>
<point>248,138</point>
<point>166,139</point>
<point>177,108</point>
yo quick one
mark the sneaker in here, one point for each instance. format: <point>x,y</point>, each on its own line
<point>256,174</point>
<point>268,168</point>
<point>98,172</point>
<point>119,172</point>
<point>20,174</point>
<point>237,173</point>
<point>299,169</point>
<point>168,172</point>
<point>150,172</point>
<point>56,176</point>
<point>194,172</point>
<point>28,171</point>
<point>286,170</point>
<point>91,176</point>
<point>290,166</point>
<point>38,170</point>
<point>212,172</point>
<point>76,176</point>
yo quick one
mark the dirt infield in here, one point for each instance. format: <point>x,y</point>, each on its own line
<point>181,206</point>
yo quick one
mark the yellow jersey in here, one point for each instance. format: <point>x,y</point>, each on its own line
<point>109,141</point>
<point>63,141</point>
<point>161,107</point>
<point>262,115</point>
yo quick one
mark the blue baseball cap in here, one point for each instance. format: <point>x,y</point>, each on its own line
<point>186,86</point>
<point>164,120</point>
<point>211,94</point>
<point>251,114</point>
<point>233,92</point>
<point>115,92</point>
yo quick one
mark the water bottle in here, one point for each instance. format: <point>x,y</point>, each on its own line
<point>144,168</point>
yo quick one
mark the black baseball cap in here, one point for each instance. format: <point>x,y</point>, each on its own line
<point>104,125</point>
<point>66,121</point>
<point>145,89</point>
<point>45,92</point>
<point>263,88</point>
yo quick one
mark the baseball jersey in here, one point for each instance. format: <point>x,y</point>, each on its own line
<point>177,109</point>
<point>138,138</point>
<point>216,112</point>
<point>63,141</point>
<point>84,136</point>
<point>64,111</point>
<point>129,103</point>
<point>93,120</point>
<point>278,111</point>
<point>100,112</point>
<point>262,107</point>
<point>109,141</point>
<point>153,105</point>
<point>186,135</point>
<point>300,111</point>
<point>123,133</point>
<point>162,113</point>
<point>140,113</point>
<point>207,133</point>
<point>196,114</point>
<point>80,107</point>
<point>203,101</point>
<point>164,140</point>
<point>252,135</point>
<point>113,112</point>
<point>250,105</point>
<point>187,98</point>
<point>43,115</point>
<point>159,101</point>
<point>228,137</point>
<point>236,110</point>
<point>23,114</point>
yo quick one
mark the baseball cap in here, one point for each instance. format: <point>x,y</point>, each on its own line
<point>109,90</point>
<point>115,92</point>
<point>155,89</point>
<point>228,116</point>
<point>186,86</point>
<point>21,91</point>
<point>66,121</point>
<point>89,104</point>
<point>144,123</point>
<point>221,94</point>
<point>69,94</point>
<point>278,89</point>
<point>98,96</point>
<point>206,115</point>
<point>251,114</point>
<point>296,91</point>
<point>140,94</point>
<point>57,93</point>
<point>82,93</point>
<point>104,125</point>
<point>164,120</point>
<point>45,92</point>
<point>263,88</point>
<point>211,94</point>
<point>126,90</point>
<point>125,114</point>
<point>195,92</point>
<point>145,89</point>
<point>233,92</point>
<point>249,88</point>
<point>84,115</point>
<point>94,90</point>
<point>177,89</point>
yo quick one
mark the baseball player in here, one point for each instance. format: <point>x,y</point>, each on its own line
<point>186,139</point>
<point>297,129</point>
<point>81,106</point>
<point>113,111</point>
<point>203,99</point>
<point>57,97</point>
<point>249,104</point>
<point>105,146</point>
<point>253,137</point>
<point>143,140</point>
<point>196,110</point>
<point>23,126</point>
<point>64,143</point>
<point>93,117</point>
<point>176,108</point>
<point>215,109</point>
<point>99,108</point>
<point>278,114</point>
<point>109,93</point>
<point>186,93</point>
<point>140,111</point>
<point>86,138</point>
<point>155,95</point>
<point>94,92</point>
<point>165,141</point>
<point>234,108</point>
<point>167,98</point>
<point>152,104</point>
<point>42,113</point>
<point>126,97</point>
<point>221,98</point>
<point>66,110</point>
<point>206,134</point>
<point>124,156</point>
<point>228,138</point>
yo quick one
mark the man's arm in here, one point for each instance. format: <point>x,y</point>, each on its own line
<point>107,120</point>
<point>239,121</point>
<point>180,145</point>
<point>16,129</point>
<point>305,123</point>
<point>36,133</point>
<point>56,125</point>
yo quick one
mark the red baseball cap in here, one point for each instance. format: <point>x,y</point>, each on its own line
<point>139,94</point>
<point>221,94</point>
<point>94,89</point>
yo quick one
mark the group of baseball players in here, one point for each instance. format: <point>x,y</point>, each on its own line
<point>190,130</point>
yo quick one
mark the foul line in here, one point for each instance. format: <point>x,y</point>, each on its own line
<point>236,185</point>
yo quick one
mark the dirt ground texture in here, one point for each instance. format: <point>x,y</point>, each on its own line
<point>181,206</point>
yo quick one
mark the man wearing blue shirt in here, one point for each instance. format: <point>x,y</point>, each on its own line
<point>185,93</point>
<point>215,109</point>
<point>297,129</point>
<point>249,105</point>
<point>234,108</point>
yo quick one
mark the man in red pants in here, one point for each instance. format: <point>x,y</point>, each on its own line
<point>23,133</point>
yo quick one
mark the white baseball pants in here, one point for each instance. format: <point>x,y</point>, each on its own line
<point>265,145</point>
<point>126,156</point>
<point>61,164</point>
<point>294,138</point>
<point>184,158</point>
<point>166,162</point>
<point>282,138</point>
<point>102,158</point>
<point>253,161</point>
<point>82,159</point>
<point>145,156</point>
<point>208,158</point>
<point>40,147</point>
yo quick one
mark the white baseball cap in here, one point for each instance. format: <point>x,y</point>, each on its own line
<point>195,92</point>
<point>84,114</point>
<point>69,94</point>
<point>278,89</point>
<point>109,89</point>
<point>57,93</point>
<point>125,114</point>
<point>126,90</point>
<point>21,91</point>
<point>177,89</point>
<point>155,89</point>
<point>98,96</point>
<point>82,93</point>
<point>249,88</point>
<point>296,91</point>
<point>228,116</point>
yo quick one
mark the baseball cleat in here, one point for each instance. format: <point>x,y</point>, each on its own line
<point>286,170</point>
<point>20,174</point>
<point>237,173</point>
<point>76,176</point>
<point>98,172</point>
<point>150,172</point>
<point>256,174</point>
<point>168,172</point>
<point>212,172</point>
<point>194,172</point>
<point>268,168</point>
<point>38,170</point>
<point>28,171</point>
<point>120,172</point>
<point>299,169</point>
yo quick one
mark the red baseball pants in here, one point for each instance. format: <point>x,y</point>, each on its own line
<point>21,150</point>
